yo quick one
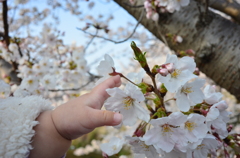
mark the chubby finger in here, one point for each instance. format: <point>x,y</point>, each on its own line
<point>99,94</point>
<point>105,118</point>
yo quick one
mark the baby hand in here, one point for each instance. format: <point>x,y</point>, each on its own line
<point>81,115</point>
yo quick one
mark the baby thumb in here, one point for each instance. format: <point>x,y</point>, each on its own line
<point>104,117</point>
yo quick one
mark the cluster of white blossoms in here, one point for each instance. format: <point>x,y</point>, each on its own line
<point>197,128</point>
<point>153,6</point>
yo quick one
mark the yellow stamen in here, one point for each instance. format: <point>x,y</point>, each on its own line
<point>200,146</point>
<point>30,81</point>
<point>114,147</point>
<point>47,81</point>
<point>166,129</point>
<point>144,146</point>
<point>190,125</point>
<point>128,102</point>
<point>176,73</point>
<point>187,90</point>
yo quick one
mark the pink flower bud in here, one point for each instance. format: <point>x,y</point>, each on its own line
<point>190,52</point>
<point>169,67</point>
<point>104,155</point>
<point>139,133</point>
<point>147,4</point>
<point>178,39</point>
<point>230,127</point>
<point>155,17</point>
<point>163,72</point>
<point>204,112</point>
<point>148,15</point>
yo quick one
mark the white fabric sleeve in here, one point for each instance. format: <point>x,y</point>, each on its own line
<point>17,119</point>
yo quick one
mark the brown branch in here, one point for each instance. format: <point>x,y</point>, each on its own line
<point>84,51</point>
<point>134,6</point>
<point>116,42</point>
<point>231,8</point>
<point>91,79</point>
<point>5,22</point>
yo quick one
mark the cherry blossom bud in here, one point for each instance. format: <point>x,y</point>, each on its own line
<point>148,15</point>
<point>163,72</point>
<point>204,112</point>
<point>178,39</point>
<point>190,52</point>
<point>147,4</point>
<point>145,87</point>
<point>140,57</point>
<point>196,72</point>
<point>132,1</point>
<point>229,129</point>
<point>163,90</point>
<point>140,131</point>
<point>155,17</point>
<point>170,67</point>
<point>104,155</point>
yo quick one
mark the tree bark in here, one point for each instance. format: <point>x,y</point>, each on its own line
<point>214,39</point>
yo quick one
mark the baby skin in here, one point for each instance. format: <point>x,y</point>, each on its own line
<point>73,119</point>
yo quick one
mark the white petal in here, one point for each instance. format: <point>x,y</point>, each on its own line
<point>186,63</point>
<point>183,102</point>
<point>212,114</point>
<point>142,113</point>
<point>171,59</point>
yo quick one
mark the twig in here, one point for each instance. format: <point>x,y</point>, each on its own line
<point>169,100</point>
<point>90,41</point>
<point>116,42</point>
<point>5,22</point>
<point>162,36</point>
<point>14,12</point>
<point>92,77</point>
<point>134,6</point>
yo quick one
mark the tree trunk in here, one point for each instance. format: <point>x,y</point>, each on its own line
<point>215,40</point>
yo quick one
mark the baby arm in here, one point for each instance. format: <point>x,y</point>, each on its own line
<point>73,119</point>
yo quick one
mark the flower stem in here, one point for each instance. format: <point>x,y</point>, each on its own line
<point>121,75</point>
<point>170,99</point>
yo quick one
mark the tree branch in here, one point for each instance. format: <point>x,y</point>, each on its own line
<point>116,42</point>
<point>5,22</point>
<point>216,43</point>
<point>90,41</point>
<point>91,79</point>
<point>231,8</point>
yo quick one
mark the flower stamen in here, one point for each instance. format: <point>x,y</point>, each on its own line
<point>176,73</point>
<point>187,90</point>
<point>128,102</point>
<point>166,129</point>
<point>190,125</point>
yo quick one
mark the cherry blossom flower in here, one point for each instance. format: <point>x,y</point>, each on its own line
<point>190,94</point>
<point>139,147</point>
<point>201,150</point>
<point>195,127</point>
<point>166,132</point>
<point>211,96</point>
<point>113,147</point>
<point>127,103</point>
<point>105,67</point>
<point>217,119</point>
<point>5,89</point>
<point>48,81</point>
<point>176,5</point>
<point>182,72</point>
<point>29,83</point>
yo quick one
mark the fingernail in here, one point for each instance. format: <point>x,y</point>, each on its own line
<point>117,118</point>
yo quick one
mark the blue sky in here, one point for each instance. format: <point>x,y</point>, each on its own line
<point>68,24</point>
